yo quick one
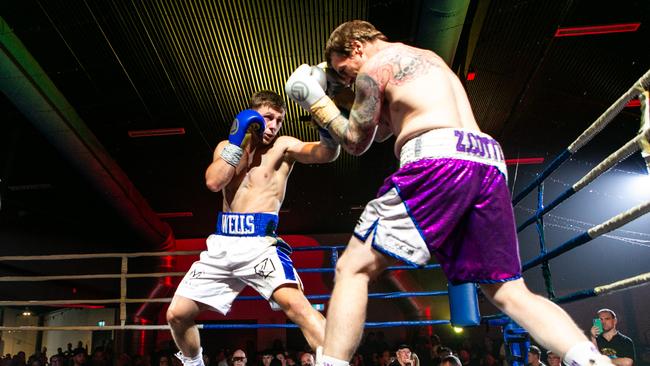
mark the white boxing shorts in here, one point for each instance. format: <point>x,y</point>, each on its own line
<point>244,251</point>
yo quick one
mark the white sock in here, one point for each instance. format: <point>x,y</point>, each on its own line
<point>582,354</point>
<point>192,361</point>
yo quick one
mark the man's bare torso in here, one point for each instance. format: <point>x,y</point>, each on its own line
<point>420,93</point>
<point>260,186</point>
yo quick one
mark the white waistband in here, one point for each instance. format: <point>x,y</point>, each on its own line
<point>456,143</point>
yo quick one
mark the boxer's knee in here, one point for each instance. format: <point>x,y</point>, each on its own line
<point>507,294</point>
<point>293,302</point>
<point>181,311</point>
<point>360,260</point>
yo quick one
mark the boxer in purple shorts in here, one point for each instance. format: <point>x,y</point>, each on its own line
<point>420,210</point>
<point>449,197</point>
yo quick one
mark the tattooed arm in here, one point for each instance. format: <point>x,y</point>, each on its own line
<point>356,133</point>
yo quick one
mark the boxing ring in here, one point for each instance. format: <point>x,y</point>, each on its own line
<point>463,303</point>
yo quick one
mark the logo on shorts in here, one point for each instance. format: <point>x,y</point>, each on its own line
<point>265,268</point>
<point>195,274</point>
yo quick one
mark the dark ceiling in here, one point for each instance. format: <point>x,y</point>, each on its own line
<point>127,66</point>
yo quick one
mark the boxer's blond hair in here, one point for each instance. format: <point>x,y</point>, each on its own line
<point>340,40</point>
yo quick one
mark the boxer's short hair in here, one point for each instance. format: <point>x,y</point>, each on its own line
<point>355,30</point>
<point>267,98</point>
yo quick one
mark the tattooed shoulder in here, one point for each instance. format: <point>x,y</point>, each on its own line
<point>400,65</point>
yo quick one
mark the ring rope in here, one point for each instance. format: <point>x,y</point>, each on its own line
<point>639,87</point>
<point>53,257</point>
<point>628,283</point>
<point>376,295</point>
<point>174,274</point>
<point>626,150</point>
<point>592,233</point>
<point>405,323</point>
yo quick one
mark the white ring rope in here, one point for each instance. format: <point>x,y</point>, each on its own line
<point>619,220</point>
<point>639,87</point>
<point>89,277</point>
<point>631,282</point>
<point>626,150</point>
<point>54,257</point>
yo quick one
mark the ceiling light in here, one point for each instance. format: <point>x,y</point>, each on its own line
<point>596,29</point>
<point>524,161</point>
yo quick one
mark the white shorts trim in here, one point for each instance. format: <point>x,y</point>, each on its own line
<point>394,231</point>
<point>456,143</point>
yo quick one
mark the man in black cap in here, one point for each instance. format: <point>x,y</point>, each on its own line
<point>403,356</point>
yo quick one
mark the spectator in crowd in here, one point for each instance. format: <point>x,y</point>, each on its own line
<point>610,341</point>
<point>79,357</point>
<point>163,359</point>
<point>56,360</point>
<point>239,358</point>
<point>450,360</point>
<point>267,357</point>
<point>69,351</point>
<point>553,359</point>
<point>99,357</point>
<point>222,358</point>
<point>307,359</point>
<point>280,356</point>
<point>385,359</point>
<point>534,355</point>
<point>444,352</point>
<point>403,356</point>
<point>488,359</point>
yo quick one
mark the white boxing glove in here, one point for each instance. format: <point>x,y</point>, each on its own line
<point>305,87</point>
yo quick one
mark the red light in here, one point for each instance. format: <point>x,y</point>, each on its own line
<point>157,132</point>
<point>633,103</point>
<point>74,290</point>
<point>141,346</point>
<point>596,29</point>
<point>524,161</point>
<point>167,261</point>
<point>471,75</point>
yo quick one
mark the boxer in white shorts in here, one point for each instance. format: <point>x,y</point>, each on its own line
<point>244,251</point>
<point>251,169</point>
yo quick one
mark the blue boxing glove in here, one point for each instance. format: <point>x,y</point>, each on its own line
<point>246,119</point>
